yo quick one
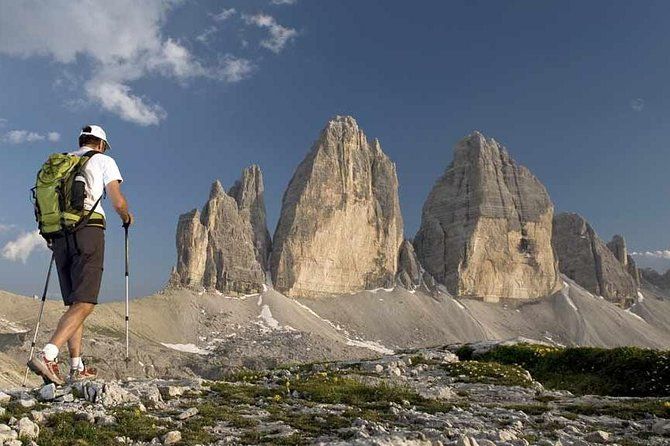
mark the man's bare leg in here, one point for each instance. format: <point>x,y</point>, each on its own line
<point>70,323</point>
<point>74,343</point>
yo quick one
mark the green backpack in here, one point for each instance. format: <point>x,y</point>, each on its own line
<point>59,193</point>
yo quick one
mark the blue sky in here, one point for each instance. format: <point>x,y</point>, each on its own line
<point>192,91</point>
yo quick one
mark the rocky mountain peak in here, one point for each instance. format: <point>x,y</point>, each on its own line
<point>655,278</point>
<point>618,247</point>
<point>247,189</point>
<point>249,192</point>
<point>587,260</point>
<point>341,123</point>
<point>216,190</point>
<point>486,226</point>
<point>225,246</point>
<point>340,226</point>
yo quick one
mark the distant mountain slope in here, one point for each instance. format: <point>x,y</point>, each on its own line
<point>182,333</point>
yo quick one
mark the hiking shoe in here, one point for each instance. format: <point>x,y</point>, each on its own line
<point>48,370</point>
<point>81,375</point>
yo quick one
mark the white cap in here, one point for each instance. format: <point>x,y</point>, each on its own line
<point>97,131</point>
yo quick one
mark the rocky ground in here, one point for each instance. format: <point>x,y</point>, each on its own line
<point>180,333</point>
<point>420,397</point>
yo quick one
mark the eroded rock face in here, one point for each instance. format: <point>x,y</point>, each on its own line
<point>486,226</point>
<point>248,192</point>
<point>340,226</point>
<point>618,247</point>
<point>584,257</point>
<point>192,240</point>
<point>655,278</point>
<point>224,246</point>
<point>409,268</point>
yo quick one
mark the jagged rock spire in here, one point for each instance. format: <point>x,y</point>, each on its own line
<point>224,247</point>
<point>248,192</point>
<point>585,258</point>
<point>340,226</point>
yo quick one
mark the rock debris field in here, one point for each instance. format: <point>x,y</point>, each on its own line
<point>420,397</point>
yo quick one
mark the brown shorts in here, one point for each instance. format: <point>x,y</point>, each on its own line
<point>79,261</point>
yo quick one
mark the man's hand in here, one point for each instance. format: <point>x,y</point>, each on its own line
<point>129,221</point>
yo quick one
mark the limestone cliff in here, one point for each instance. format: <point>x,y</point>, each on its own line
<point>584,257</point>
<point>486,226</point>
<point>409,269</point>
<point>192,240</point>
<point>248,192</point>
<point>224,246</point>
<point>618,247</point>
<point>340,225</point>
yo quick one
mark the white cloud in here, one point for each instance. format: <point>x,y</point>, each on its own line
<point>206,34</point>
<point>283,2</point>
<point>279,35</point>
<point>122,39</point>
<point>3,122</point>
<point>27,136</point>
<point>232,69</point>
<point>637,104</point>
<point>224,15</point>
<point>22,136</point>
<point>117,98</point>
<point>661,254</point>
<point>21,248</point>
<point>5,228</point>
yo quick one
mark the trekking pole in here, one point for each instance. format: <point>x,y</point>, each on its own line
<point>39,319</point>
<point>127,301</point>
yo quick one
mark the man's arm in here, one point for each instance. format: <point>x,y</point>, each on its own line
<point>119,201</point>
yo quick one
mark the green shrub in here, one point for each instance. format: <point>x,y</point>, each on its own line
<point>622,371</point>
<point>465,352</point>
<point>488,373</point>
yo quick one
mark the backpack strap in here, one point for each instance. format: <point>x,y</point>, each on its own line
<point>84,221</point>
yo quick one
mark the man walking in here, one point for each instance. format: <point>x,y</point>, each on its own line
<point>79,259</point>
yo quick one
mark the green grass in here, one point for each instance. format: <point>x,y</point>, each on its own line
<point>14,409</point>
<point>61,429</point>
<point>420,359</point>
<point>488,373</point>
<point>209,414</point>
<point>310,424</point>
<point>623,371</point>
<point>243,393</point>
<point>339,390</point>
<point>626,410</point>
<point>245,375</point>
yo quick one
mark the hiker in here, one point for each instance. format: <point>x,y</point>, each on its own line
<point>79,257</point>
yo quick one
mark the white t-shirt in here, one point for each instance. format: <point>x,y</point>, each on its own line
<point>99,171</point>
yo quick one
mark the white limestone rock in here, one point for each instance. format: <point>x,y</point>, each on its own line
<point>340,226</point>
<point>486,226</point>
<point>27,429</point>
<point>586,259</point>
<point>225,246</point>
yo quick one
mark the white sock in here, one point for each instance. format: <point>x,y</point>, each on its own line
<point>50,352</point>
<point>76,363</point>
